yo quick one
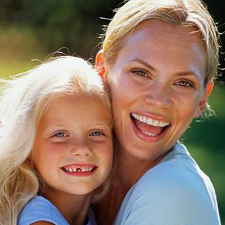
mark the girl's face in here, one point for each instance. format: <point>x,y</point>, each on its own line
<point>157,87</point>
<point>73,146</point>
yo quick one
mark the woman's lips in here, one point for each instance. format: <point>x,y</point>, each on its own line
<point>80,169</point>
<point>148,127</point>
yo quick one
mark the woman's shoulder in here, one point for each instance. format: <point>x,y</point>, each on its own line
<point>178,172</point>
<point>176,182</point>
<point>40,209</point>
<point>172,192</point>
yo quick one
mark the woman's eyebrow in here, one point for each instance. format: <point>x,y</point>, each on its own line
<point>188,73</point>
<point>143,62</point>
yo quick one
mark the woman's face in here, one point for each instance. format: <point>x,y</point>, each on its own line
<point>157,87</point>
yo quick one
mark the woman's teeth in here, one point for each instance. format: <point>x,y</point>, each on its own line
<point>150,121</point>
<point>150,134</point>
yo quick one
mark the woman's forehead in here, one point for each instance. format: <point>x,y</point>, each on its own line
<point>162,31</point>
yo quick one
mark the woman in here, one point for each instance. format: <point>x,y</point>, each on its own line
<point>159,59</point>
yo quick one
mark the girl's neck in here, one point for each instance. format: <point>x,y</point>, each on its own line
<point>73,207</point>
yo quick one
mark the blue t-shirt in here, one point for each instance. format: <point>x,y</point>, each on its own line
<point>41,209</point>
<point>174,192</point>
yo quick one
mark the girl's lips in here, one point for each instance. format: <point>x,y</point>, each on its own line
<point>147,128</point>
<point>80,169</point>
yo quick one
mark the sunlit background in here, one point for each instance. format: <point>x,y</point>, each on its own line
<point>35,29</point>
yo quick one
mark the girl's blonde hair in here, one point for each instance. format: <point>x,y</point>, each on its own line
<point>23,101</point>
<point>184,12</point>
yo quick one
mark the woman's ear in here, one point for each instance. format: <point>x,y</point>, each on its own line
<point>203,101</point>
<point>209,88</point>
<point>100,63</point>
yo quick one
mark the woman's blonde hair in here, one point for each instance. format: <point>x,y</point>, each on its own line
<point>184,12</point>
<point>23,101</point>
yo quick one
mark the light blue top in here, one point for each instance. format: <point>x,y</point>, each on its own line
<point>41,209</point>
<point>174,192</point>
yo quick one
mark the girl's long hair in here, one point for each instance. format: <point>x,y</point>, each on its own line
<point>23,101</point>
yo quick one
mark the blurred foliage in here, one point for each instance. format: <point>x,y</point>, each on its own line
<point>56,23</point>
<point>75,24</point>
<point>35,29</point>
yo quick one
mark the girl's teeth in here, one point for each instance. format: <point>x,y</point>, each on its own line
<point>79,169</point>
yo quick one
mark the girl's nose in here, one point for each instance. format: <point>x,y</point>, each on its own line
<point>81,149</point>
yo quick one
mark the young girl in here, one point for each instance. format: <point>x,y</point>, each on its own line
<point>55,144</point>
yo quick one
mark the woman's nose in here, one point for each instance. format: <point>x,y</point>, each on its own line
<point>158,95</point>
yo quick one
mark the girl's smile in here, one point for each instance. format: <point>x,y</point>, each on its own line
<point>73,150</point>
<point>80,169</point>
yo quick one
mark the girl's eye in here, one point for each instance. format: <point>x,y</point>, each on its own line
<point>96,133</point>
<point>60,135</point>
<point>140,73</point>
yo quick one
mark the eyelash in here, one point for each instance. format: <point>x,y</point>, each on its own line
<point>140,72</point>
<point>100,133</point>
<point>62,135</point>
<point>181,83</point>
<point>186,83</point>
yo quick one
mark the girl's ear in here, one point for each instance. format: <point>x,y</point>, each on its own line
<point>28,160</point>
<point>100,64</point>
<point>203,101</point>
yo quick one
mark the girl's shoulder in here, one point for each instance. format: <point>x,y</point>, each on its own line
<point>91,217</point>
<point>40,209</point>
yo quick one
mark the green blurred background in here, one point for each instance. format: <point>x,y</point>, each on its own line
<point>35,29</point>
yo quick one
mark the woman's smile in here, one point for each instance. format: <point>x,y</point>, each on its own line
<point>148,128</point>
<point>154,102</point>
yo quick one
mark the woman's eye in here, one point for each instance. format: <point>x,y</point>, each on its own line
<point>140,73</point>
<point>185,83</point>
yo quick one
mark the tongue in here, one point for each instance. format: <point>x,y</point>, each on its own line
<point>147,128</point>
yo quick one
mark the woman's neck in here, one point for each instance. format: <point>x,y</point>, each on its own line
<point>123,176</point>
<point>73,207</point>
<point>130,169</point>
<point>127,170</point>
